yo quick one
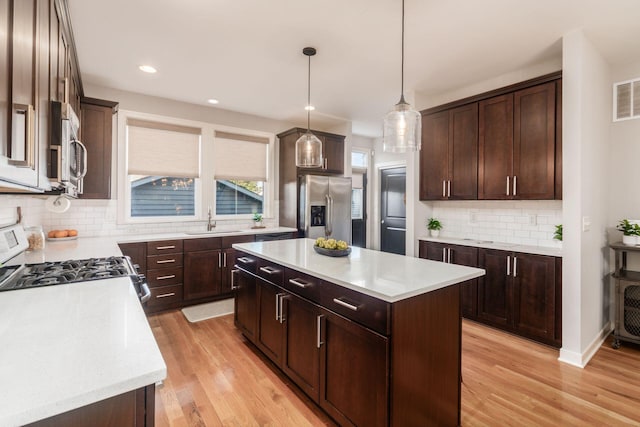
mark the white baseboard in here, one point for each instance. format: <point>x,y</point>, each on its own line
<point>581,359</point>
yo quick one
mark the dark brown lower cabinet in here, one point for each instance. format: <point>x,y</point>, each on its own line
<point>354,362</point>
<point>246,303</point>
<point>519,292</point>
<point>131,409</point>
<point>270,327</point>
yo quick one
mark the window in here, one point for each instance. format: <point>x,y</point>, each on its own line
<point>357,203</point>
<point>163,164</point>
<point>359,159</point>
<point>240,163</point>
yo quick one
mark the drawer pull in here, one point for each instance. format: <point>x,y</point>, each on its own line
<point>246,260</point>
<point>165,247</point>
<point>165,261</point>
<point>345,304</point>
<point>233,281</point>
<point>299,283</point>
<point>170,276</point>
<point>270,270</point>
<point>170,294</point>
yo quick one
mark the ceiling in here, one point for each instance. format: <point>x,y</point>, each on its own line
<point>248,53</point>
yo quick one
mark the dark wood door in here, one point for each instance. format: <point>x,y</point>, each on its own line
<point>270,338</point>
<point>393,211</point>
<point>301,357</point>
<point>495,148</point>
<point>534,127</point>
<point>354,363</point>
<point>463,153</point>
<point>433,251</point>
<point>202,274</point>
<point>534,295</point>
<point>468,256</point>
<point>246,303</point>
<point>96,122</point>
<point>434,156</point>
<point>333,149</point>
<point>495,290</point>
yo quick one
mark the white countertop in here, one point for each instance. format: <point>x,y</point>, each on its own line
<point>67,346</point>
<point>386,276</point>
<point>503,246</point>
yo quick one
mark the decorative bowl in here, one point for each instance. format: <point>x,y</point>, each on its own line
<point>332,252</point>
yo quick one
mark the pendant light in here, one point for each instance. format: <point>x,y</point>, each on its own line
<point>308,146</point>
<point>402,125</point>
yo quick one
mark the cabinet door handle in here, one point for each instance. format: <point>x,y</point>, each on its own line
<point>319,341</point>
<point>219,260</point>
<point>449,188</point>
<point>270,270</point>
<point>444,186</point>
<point>233,277</point>
<point>278,309</point>
<point>282,298</point>
<point>246,260</point>
<point>299,283</point>
<point>515,184</point>
<point>325,163</point>
<point>165,247</point>
<point>165,261</point>
<point>449,255</point>
<point>224,260</point>
<point>444,254</point>
<point>170,294</point>
<point>508,265</point>
<point>515,266</point>
<point>169,276</point>
<point>345,304</point>
<point>508,186</point>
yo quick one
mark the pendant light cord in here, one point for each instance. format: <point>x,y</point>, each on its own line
<point>402,62</point>
<point>309,96</point>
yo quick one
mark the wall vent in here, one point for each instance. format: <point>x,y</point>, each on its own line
<point>626,100</point>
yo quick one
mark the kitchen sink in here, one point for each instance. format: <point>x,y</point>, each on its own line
<point>193,233</point>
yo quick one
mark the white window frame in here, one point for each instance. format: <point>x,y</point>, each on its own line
<point>204,188</point>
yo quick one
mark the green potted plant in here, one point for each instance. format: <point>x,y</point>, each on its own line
<point>557,235</point>
<point>434,227</point>
<point>257,220</point>
<point>630,232</point>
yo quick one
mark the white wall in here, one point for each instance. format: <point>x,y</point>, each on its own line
<point>586,137</point>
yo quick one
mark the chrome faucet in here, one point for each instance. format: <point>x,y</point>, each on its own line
<point>210,225</point>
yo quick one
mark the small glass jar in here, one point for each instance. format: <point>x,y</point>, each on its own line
<point>35,237</point>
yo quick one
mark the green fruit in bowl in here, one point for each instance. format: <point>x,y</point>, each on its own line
<point>342,245</point>
<point>320,242</point>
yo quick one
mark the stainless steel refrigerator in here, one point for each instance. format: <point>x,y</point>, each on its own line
<point>325,207</point>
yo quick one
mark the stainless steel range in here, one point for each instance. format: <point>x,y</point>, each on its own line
<point>22,276</point>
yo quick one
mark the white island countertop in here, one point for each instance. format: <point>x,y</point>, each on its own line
<point>382,275</point>
<point>71,345</point>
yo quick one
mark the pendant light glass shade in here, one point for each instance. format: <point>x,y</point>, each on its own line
<point>402,130</point>
<point>308,146</point>
<point>308,151</point>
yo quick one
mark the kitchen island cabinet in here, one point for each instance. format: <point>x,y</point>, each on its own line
<point>357,334</point>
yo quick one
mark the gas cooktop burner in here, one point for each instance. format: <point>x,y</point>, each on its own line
<point>55,273</point>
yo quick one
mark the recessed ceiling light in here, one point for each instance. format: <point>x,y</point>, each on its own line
<point>309,108</point>
<point>147,69</point>
<point>212,101</point>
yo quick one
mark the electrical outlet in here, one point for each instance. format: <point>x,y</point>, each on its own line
<point>586,223</point>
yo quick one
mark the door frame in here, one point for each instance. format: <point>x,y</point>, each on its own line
<point>376,192</point>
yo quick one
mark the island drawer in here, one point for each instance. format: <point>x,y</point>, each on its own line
<point>302,284</point>
<point>164,261</point>
<point>270,271</point>
<point>246,262</point>
<point>164,276</point>
<point>165,296</point>
<point>364,309</point>
<point>164,247</point>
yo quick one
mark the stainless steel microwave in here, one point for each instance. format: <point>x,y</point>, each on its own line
<point>67,155</point>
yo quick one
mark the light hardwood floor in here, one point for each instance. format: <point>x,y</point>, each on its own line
<point>215,378</point>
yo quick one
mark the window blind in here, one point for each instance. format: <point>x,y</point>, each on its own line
<point>240,157</point>
<point>160,149</point>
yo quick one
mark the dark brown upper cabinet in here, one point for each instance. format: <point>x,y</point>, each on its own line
<point>449,154</point>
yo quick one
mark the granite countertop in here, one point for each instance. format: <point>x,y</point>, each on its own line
<point>71,345</point>
<point>386,276</point>
<point>503,246</point>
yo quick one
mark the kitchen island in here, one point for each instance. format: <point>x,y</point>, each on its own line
<point>373,338</point>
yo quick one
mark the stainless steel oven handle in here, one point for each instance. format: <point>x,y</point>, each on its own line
<point>145,293</point>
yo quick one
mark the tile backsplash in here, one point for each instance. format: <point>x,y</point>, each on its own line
<point>520,222</point>
<point>98,218</point>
